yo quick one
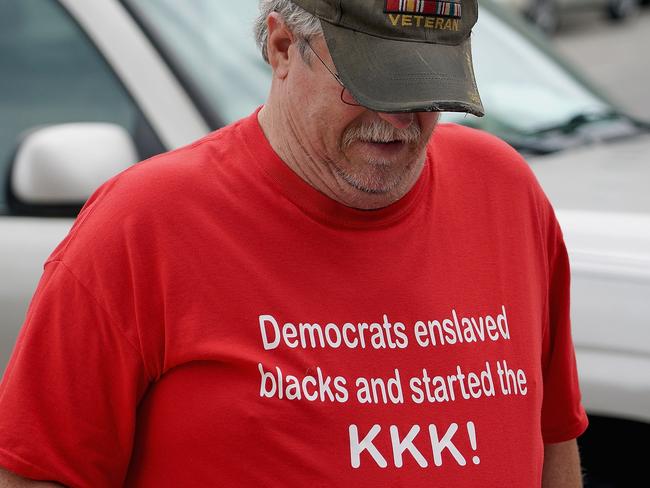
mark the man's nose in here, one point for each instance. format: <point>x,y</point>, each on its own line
<point>399,121</point>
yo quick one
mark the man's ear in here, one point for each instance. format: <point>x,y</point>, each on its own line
<point>279,41</point>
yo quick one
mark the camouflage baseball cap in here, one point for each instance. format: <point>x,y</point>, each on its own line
<point>403,55</point>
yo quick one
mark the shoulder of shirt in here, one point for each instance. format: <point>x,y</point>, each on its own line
<point>185,163</point>
<point>176,173</point>
<point>474,158</point>
<point>458,147</point>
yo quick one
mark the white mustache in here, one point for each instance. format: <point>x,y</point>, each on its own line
<point>381,131</point>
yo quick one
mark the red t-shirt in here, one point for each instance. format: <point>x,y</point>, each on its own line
<point>212,320</point>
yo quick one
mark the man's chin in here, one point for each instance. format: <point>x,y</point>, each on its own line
<point>374,174</point>
<point>379,178</point>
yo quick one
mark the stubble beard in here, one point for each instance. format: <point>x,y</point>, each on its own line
<point>377,179</point>
<point>379,176</point>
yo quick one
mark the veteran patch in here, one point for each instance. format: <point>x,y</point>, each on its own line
<point>433,8</point>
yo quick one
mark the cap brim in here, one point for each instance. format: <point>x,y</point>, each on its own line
<point>387,75</point>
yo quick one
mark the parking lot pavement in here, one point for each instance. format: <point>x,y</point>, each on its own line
<point>614,56</point>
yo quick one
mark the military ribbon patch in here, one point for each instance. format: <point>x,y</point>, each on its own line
<point>450,8</point>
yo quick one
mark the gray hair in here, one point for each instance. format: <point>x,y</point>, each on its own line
<point>304,25</point>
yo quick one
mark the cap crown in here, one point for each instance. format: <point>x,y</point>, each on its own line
<point>432,21</point>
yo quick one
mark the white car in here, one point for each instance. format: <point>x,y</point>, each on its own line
<point>89,88</point>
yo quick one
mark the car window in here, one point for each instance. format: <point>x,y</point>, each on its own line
<point>211,46</point>
<point>51,73</point>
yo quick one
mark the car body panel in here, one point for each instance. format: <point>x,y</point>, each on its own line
<point>25,242</point>
<point>617,273</point>
<point>610,309</point>
<point>607,177</point>
<point>614,385</point>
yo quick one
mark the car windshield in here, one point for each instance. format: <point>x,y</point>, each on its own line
<point>211,46</point>
<point>523,89</point>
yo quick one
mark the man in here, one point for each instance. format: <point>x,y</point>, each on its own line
<point>335,291</point>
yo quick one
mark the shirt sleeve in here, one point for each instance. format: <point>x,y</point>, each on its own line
<point>69,395</point>
<point>563,416</point>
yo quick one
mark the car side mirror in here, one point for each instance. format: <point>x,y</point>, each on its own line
<point>57,168</point>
